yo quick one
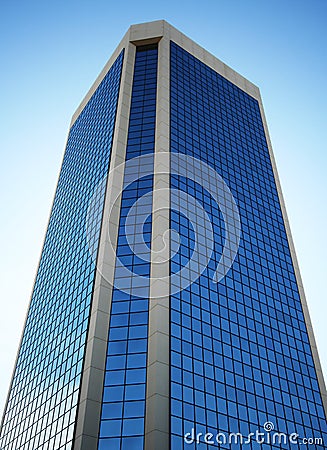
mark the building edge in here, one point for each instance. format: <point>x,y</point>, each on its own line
<point>32,290</point>
<point>307,318</point>
<point>91,389</point>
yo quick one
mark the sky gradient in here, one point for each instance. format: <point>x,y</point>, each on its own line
<point>53,51</point>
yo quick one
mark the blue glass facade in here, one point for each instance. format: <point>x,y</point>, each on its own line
<point>42,403</point>
<point>240,353</point>
<point>123,410</point>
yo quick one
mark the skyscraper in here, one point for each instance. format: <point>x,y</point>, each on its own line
<point>168,310</point>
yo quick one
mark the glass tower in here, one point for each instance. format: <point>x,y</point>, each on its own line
<point>168,310</point>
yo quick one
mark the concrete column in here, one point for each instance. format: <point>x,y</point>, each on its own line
<point>157,420</point>
<point>90,401</point>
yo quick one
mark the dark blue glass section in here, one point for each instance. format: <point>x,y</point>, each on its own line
<point>240,353</point>
<point>123,409</point>
<point>42,402</point>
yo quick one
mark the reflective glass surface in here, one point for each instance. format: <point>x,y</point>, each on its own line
<point>123,409</point>
<point>240,353</point>
<point>41,408</point>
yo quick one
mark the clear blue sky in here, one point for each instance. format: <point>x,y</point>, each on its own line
<point>51,52</point>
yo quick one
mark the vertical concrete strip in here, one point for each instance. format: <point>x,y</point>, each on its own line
<point>306,313</point>
<point>157,419</point>
<point>89,409</point>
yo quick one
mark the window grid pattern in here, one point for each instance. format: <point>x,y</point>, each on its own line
<point>41,410</point>
<point>123,408</point>
<point>240,353</point>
